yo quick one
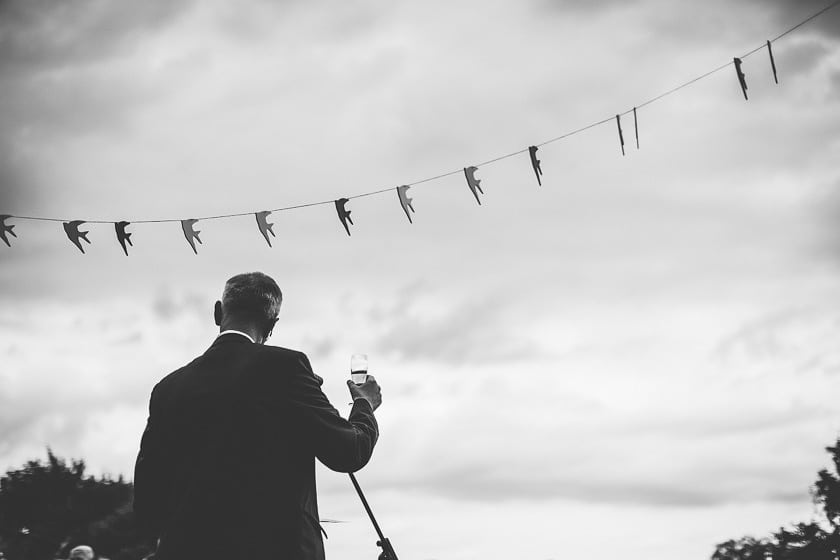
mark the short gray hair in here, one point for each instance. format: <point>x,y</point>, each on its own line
<point>82,552</point>
<point>252,294</point>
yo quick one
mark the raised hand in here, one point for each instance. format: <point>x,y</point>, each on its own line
<point>369,390</point>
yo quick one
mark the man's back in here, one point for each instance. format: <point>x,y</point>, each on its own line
<point>226,465</point>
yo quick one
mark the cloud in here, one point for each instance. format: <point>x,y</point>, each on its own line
<point>73,68</point>
<point>791,12</point>
<point>488,484</point>
<point>40,35</point>
<point>588,6</point>
<point>825,210</point>
<point>62,74</point>
<point>168,305</point>
<point>17,190</point>
<point>797,341</point>
<point>654,425</point>
<point>800,57</point>
<point>319,347</point>
<point>621,463</point>
<point>468,332</point>
<point>253,21</point>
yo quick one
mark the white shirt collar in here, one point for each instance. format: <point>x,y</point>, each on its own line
<point>229,331</point>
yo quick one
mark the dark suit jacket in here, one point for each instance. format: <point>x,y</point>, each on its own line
<point>226,468</point>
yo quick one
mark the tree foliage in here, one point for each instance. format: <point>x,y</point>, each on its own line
<point>48,507</point>
<point>817,540</point>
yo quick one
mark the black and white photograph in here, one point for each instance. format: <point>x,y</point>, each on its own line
<point>440,280</point>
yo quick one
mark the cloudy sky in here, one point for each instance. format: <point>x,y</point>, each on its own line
<point>638,358</point>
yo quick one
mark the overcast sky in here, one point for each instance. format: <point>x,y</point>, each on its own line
<point>638,359</point>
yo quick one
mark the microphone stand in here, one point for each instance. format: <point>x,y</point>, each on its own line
<point>383,542</point>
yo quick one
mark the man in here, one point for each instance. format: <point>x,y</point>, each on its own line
<point>226,467</point>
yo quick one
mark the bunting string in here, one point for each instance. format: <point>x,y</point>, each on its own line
<point>76,235</point>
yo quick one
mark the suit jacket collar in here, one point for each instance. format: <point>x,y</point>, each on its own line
<point>231,338</point>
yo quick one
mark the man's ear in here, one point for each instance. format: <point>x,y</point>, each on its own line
<point>270,328</point>
<point>217,313</point>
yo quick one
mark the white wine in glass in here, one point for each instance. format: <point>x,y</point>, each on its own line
<point>358,368</point>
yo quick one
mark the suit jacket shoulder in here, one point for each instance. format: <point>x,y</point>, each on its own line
<point>293,362</point>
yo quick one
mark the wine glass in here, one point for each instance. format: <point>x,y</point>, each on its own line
<point>358,368</point>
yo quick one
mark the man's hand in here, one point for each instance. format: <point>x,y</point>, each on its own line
<point>369,390</point>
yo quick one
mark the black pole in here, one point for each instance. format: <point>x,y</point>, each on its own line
<point>387,550</point>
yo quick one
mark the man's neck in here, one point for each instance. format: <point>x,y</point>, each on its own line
<point>248,331</point>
